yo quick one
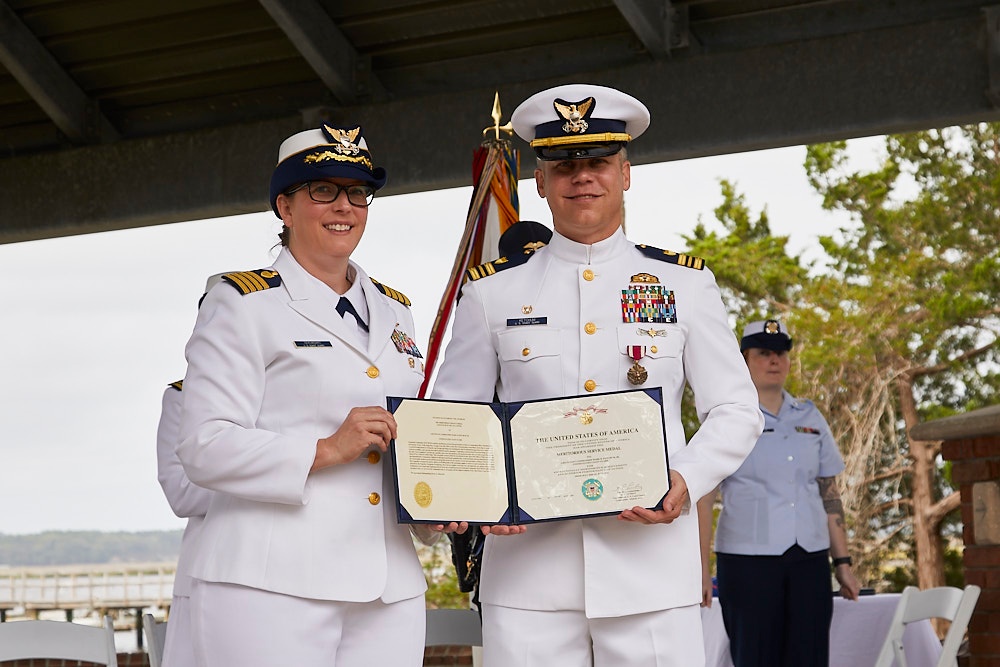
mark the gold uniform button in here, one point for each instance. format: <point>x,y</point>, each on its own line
<point>590,385</point>
<point>526,351</point>
<point>374,457</point>
<point>588,275</point>
<point>590,328</point>
<point>374,498</point>
<point>372,372</point>
<point>653,349</point>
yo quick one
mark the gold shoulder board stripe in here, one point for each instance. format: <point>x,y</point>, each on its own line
<point>391,293</point>
<point>671,257</point>
<point>481,271</point>
<point>499,264</point>
<point>177,385</point>
<point>253,281</point>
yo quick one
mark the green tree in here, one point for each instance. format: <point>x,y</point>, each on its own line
<point>912,287</point>
<point>900,324</point>
<point>754,270</point>
<point>442,583</point>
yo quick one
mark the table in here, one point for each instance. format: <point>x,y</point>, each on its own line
<point>856,634</point>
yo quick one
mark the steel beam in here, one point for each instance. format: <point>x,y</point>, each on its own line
<point>658,24</point>
<point>314,34</point>
<point>75,114</point>
<point>895,79</point>
<point>992,15</point>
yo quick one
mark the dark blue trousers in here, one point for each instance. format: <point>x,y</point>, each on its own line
<point>777,609</point>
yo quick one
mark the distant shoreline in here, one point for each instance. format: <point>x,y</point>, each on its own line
<point>88,547</point>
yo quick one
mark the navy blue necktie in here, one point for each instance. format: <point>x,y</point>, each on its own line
<point>345,306</point>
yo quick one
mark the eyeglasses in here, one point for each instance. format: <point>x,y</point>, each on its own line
<point>325,192</point>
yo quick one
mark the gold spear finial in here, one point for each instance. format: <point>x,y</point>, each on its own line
<point>497,127</point>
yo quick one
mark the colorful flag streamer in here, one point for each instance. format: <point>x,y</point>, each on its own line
<point>492,210</point>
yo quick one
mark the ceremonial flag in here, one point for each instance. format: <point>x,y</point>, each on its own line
<point>492,210</point>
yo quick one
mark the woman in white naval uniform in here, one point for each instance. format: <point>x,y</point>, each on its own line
<point>188,501</point>
<point>608,591</point>
<point>301,560</point>
<point>781,520</point>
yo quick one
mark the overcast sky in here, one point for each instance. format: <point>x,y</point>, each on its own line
<point>93,327</point>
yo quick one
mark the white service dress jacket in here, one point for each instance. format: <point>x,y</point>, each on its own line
<point>553,326</point>
<point>269,373</point>
<point>187,500</point>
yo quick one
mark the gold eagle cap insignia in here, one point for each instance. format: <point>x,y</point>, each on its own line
<point>344,139</point>
<point>574,111</point>
<point>343,136</point>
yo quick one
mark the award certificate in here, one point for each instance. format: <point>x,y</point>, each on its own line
<point>513,463</point>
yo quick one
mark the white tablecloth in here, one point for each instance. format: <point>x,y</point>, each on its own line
<point>856,634</point>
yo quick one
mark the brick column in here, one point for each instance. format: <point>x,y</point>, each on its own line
<point>972,444</point>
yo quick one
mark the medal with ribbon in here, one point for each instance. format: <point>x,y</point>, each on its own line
<point>637,374</point>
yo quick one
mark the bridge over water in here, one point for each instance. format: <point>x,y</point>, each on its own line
<point>27,591</point>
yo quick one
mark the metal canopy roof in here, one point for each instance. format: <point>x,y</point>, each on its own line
<point>117,113</point>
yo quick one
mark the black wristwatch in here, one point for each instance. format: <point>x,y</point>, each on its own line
<point>843,560</point>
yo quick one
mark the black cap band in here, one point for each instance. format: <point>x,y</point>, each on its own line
<point>764,341</point>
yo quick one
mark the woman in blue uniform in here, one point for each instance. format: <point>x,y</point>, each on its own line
<point>782,519</point>
<point>301,560</point>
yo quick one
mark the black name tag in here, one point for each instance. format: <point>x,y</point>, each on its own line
<point>313,343</point>
<point>526,321</point>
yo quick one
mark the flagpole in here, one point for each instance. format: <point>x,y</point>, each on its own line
<point>470,248</point>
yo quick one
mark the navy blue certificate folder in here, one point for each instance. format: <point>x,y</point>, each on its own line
<point>531,461</point>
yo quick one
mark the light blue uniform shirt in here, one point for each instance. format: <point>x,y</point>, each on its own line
<point>772,502</point>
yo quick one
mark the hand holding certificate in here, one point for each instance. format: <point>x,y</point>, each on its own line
<point>516,463</point>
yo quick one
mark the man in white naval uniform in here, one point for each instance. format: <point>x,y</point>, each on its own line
<point>592,312</point>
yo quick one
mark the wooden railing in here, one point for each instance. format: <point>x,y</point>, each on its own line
<point>86,587</point>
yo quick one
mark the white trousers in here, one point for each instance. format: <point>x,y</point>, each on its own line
<point>249,627</point>
<point>177,651</point>
<point>529,638</point>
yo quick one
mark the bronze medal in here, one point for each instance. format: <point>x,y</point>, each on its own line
<point>637,374</point>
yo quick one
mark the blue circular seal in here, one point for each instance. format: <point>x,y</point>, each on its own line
<point>592,489</point>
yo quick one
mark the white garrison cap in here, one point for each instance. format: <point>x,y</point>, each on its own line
<point>579,120</point>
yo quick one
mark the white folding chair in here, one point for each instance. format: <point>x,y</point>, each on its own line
<point>58,640</point>
<point>156,636</point>
<point>947,602</point>
<point>453,627</point>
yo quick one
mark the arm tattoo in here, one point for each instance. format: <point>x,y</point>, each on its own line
<point>831,498</point>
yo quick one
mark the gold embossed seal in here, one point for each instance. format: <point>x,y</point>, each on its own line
<point>422,494</point>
